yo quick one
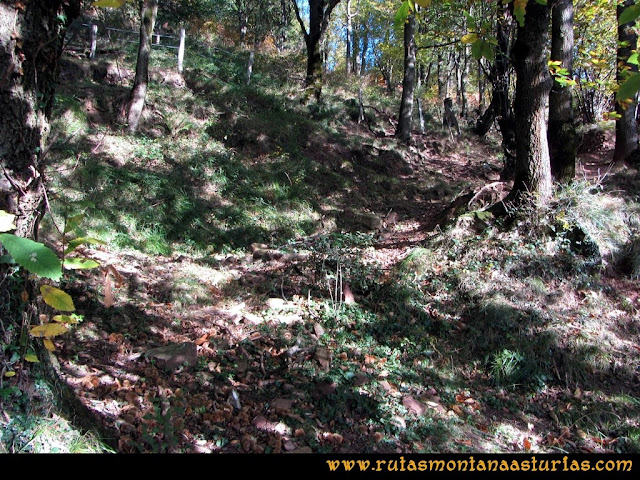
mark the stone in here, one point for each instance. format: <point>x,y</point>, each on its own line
<point>276,303</point>
<point>174,355</point>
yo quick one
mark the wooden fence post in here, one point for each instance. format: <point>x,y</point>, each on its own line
<point>94,41</point>
<point>181,50</point>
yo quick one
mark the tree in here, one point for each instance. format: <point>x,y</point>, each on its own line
<point>533,83</point>
<point>562,136</point>
<point>31,39</point>
<point>133,107</point>
<point>594,62</point>
<point>319,14</point>
<point>500,75</point>
<point>349,39</point>
<point>403,130</point>
<point>626,124</point>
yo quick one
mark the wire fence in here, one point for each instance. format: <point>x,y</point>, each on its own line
<point>105,39</point>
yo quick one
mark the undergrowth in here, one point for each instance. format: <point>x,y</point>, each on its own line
<point>481,324</point>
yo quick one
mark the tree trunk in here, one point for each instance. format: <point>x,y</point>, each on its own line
<point>319,13</point>
<point>132,110</point>
<point>349,39</point>
<point>626,124</point>
<point>363,52</point>
<point>284,20</point>
<point>442,80</point>
<point>403,130</point>
<point>562,136</point>
<point>462,83</point>
<point>243,21</point>
<point>481,85</point>
<point>532,168</point>
<point>31,38</point>
<point>500,105</point>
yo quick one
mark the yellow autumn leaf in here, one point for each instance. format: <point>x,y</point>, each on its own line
<point>423,3</point>
<point>32,358</point>
<point>9,374</point>
<point>469,38</point>
<point>108,3</point>
<point>49,330</point>
<point>56,298</point>
<point>49,345</point>
<point>6,221</point>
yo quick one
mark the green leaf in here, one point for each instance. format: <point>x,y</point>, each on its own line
<point>520,10</point>
<point>6,221</point>
<point>33,256</point>
<point>73,244</point>
<point>476,50</point>
<point>8,259</point>
<point>80,263</point>
<point>423,3</point>
<point>629,88</point>
<point>66,318</point>
<point>402,14</point>
<point>56,298</point>
<point>32,358</point>
<point>482,48</point>
<point>73,222</point>
<point>487,51</point>
<point>108,3</point>
<point>10,374</point>
<point>629,14</point>
<point>471,22</point>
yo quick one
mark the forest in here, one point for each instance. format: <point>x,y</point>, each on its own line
<point>319,226</point>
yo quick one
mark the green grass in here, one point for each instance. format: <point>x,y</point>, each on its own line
<point>503,316</point>
<point>28,429</point>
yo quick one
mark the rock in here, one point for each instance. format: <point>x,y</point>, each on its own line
<point>301,450</point>
<point>360,379</point>
<point>174,355</point>
<point>258,246</point>
<point>413,405</point>
<point>281,404</point>
<point>276,303</point>
<point>111,73</point>
<point>267,254</point>
<point>252,318</point>
<point>352,221</point>
<point>323,356</point>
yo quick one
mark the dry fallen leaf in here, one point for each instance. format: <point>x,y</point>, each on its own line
<point>323,356</point>
<point>281,404</point>
<point>108,292</point>
<point>317,328</point>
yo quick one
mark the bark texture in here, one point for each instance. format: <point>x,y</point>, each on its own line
<point>532,168</point>
<point>562,135</point>
<point>403,130</point>
<point>31,37</point>
<point>319,14</point>
<point>626,124</point>
<point>500,108</point>
<point>132,110</point>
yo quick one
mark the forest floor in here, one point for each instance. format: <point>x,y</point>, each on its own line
<point>301,268</point>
